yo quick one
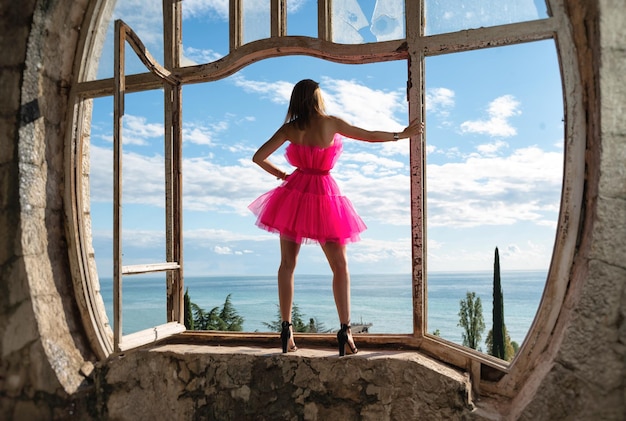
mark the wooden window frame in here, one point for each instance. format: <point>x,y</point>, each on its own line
<point>489,375</point>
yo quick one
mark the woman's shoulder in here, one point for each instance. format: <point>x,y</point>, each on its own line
<point>334,121</point>
<point>329,125</point>
<point>320,133</point>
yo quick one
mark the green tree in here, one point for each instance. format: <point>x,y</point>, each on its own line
<point>226,319</point>
<point>314,326</point>
<point>204,320</point>
<point>510,347</point>
<point>498,348</point>
<point>189,325</point>
<point>515,347</point>
<point>471,320</point>
<point>230,318</point>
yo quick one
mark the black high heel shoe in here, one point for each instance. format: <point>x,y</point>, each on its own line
<point>342,338</point>
<point>285,334</point>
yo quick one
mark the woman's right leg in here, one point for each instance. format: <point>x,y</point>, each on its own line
<point>337,257</point>
<point>288,258</point>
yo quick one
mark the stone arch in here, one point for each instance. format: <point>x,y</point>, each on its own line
<point>45,348</point>
<point>42,328</point>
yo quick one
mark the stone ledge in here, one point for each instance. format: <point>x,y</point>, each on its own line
<point>182,381</point>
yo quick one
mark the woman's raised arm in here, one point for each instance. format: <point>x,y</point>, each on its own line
<point>354,132</point>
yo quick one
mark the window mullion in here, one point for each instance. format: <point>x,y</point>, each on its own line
<point>235,21</point>
<point>172,40</point>
<point>118,112</point>
<point>278,13</point>
<point>415,92</point>
<point>324,20</point>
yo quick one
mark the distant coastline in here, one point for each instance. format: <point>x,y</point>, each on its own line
<point>382,301</point>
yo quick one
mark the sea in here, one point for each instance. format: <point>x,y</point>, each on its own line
<point>382,300</point>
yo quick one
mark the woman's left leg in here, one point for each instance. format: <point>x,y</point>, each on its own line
<point>288,258</point>
<point>337,257</point>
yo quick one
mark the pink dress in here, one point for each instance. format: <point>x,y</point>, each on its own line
<point>308,206</point>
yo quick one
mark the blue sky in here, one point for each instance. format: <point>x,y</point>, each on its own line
<point>494,138</point>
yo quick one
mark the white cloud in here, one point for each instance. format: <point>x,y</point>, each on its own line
<point>206,236</point>
<point>452,257</point>
<point>142,177</point>
<point>356,103</point>
<point>209,186</point>
<point>219,8</point>
<point>373,251</point>
<point>201,238</point>
<point>385,199</point>
<point>212,8</point>
<point>196,135</point>
<point>145,18</point>
<point>227,250</point>
<point>377,165</point>
<point>453,15</point>
<point>143,238</point>
<point>192,56</point>
<point>510,250</point>
<point>440,101</point>
<point>491,148</point>
<point>222,250</point>
<point>478,255</point>
<point>499,112</point>
<point>278,92</point>
<point>524,186</point>
<point>363,106</point>
<point>495,190</point>
<point>101,174</point>
<point>203,134</point>
<point>518,256</point>
<point>434,244</point>
<point>430,149</point>
<point>136,130</point>
<point>295,5</point>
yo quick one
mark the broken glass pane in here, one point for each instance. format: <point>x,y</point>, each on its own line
<point>256,20</point>
<point>148,25</point>
<point>456,15</point>
<point>361,21</point>
<point>388,20</point>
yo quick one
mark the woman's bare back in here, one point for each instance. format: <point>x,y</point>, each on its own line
<point>320,132</point>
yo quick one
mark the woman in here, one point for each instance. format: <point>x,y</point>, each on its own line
<point>308,206</point>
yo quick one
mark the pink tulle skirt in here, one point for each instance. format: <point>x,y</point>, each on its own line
<point>308,207</point>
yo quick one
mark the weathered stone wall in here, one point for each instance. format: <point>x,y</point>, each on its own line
<point>588,377</point>
<point>42,343</point>
<point>242,383</point>
<point>45,369</point>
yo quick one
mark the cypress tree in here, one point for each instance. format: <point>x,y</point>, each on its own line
<point>499,349</point>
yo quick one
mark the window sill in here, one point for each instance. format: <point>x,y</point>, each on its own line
<point>195,370</point>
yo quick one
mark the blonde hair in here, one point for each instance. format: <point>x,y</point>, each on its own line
<point>306,100</point>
